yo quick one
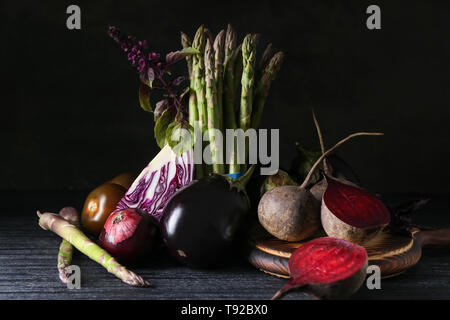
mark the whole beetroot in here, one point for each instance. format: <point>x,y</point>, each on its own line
<point>290,212</point>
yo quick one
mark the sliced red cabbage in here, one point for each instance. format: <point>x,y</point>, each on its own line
<point>162,177</point>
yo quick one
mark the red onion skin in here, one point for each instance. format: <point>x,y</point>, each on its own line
<point>129,235</point>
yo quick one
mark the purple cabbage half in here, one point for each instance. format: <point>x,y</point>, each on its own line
<point>162,177</point>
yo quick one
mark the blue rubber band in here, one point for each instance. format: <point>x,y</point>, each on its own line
<point>235,175</point>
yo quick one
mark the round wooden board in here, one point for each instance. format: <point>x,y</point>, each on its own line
<point>392,253</point>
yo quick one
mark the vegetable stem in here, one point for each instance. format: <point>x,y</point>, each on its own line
<point>337,145</point>
<point>322,145</point>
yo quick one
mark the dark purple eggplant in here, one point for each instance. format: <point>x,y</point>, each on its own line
<point>202,221</point>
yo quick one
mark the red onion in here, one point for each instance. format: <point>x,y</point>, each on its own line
<point>129,235</point>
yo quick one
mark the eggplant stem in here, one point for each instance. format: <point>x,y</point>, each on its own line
<point>245,178</point>
<point>337,145</point>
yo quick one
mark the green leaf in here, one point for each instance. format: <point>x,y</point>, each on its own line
<point>180,136</point>
<point>161,106</point>
<point>144,98</point>
<point>161,126</point>
<point>176,56</point>
<point>304,160</point>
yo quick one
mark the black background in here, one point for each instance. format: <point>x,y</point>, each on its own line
<point>70,114</point>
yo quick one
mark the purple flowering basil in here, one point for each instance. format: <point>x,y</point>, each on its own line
<point>150,66</point>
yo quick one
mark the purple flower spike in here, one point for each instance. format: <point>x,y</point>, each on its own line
<point>145,64</point>
<point>150,67</point>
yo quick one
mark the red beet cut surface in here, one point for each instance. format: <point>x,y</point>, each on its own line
<point>355,206</point>
<point>325,260</point>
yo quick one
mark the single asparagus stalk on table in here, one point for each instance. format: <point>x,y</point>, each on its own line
<point>65,252</point>
<point>212,110</point>
<point>70,233</point>
<point>263,87</point>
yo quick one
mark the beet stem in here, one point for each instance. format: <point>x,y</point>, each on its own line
<point>337,145</point>
<point>322,145</point>
<point>277,295</point>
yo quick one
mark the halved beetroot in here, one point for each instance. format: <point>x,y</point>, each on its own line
<point>326,268</point>
<point>351,213</point>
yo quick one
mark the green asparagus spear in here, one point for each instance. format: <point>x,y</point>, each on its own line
<point>230,43</point>
<point>65,253</point>
<point>193,113</point>
<point>209,35</point>
<point>198,69</point>
<point>255,38</point>
<point>219,48</point>
<point>186,42</point>
<point>247,81</point>
<point>263,86</point>
<point>231,54</point>
<point>229,105</point>
<point>73,235</point>
<point>237,69</point>
<point>199,73</point>
<point>213,115</point>
<point>267,55</point>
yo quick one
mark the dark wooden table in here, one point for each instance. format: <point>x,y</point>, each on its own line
<point>28,263</point>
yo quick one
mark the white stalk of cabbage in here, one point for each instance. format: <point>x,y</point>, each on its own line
<point>162,177</point>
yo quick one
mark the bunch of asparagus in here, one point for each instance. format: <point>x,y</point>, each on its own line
<point>215,74</point>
